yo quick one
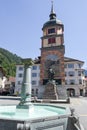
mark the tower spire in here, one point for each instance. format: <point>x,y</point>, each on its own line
<point>52,9</point>
<point>52,13</point>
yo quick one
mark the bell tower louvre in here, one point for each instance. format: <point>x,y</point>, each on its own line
<point>52,49</point>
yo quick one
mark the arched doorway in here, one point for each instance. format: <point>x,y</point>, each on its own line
<point>71,92</point>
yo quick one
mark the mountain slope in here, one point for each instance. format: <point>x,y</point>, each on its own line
<point>8,61</point>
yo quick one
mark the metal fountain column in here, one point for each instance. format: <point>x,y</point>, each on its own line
<point>25,101</point>
<point>26,85</point>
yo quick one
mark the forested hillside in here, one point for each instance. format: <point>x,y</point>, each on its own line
<point>8,61</point>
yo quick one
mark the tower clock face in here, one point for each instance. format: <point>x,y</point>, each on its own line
<point>52,62</point>
<point>52,57</point>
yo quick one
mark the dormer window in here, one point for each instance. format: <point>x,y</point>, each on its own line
<point>51,30</point>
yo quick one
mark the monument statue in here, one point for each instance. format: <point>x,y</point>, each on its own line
<point>51,74</point>
<point>51,88</point>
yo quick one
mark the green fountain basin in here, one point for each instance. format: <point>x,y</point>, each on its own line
<point>37,111</point>
<point>37,117</point>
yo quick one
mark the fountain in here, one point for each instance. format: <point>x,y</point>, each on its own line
<point>34,116</point>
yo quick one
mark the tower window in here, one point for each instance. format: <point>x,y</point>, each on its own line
<point>51,30</point>
<point>51,40</point>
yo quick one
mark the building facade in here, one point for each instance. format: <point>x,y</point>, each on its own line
<point>74,78</point>
<point>2,78</point>
<point>35,78</point>
<point>68,71</point>
<point>7,85</point>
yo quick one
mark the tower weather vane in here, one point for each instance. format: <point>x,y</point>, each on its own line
<point>52,3</point>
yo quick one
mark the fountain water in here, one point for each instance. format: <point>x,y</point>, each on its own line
<point>28,116</point>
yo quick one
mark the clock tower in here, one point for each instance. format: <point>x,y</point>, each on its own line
<point>52,49</point>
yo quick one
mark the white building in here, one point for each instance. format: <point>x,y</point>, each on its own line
<point>35,78</point>
<point>74,78</point>
<point>3,79</point>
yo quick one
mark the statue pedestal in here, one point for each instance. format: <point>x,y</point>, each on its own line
<point>50,91</point>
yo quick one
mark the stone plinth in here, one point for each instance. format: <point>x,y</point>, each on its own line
<point>50,91</point>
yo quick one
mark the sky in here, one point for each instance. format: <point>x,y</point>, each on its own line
<point>21,23</point>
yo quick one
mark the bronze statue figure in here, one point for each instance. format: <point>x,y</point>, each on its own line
<point>51,74</point>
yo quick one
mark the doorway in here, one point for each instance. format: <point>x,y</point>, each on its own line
<point>71,92</point>
<point>81,92</point>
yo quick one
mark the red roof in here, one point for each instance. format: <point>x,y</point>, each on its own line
<point>12,79</point>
